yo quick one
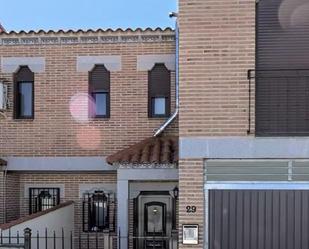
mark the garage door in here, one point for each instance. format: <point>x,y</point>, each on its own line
<point>256,219</point>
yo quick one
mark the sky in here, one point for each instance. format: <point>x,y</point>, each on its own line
<point>84,14</point>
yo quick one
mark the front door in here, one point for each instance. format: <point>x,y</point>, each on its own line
<point>154,220</point>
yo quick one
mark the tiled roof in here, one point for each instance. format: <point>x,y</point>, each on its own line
<point>81,31</point>
<point>3,162</point>
<point>90,36</point>
<point>154,150</point>
<point>1,28</point>
<point>33,216</point>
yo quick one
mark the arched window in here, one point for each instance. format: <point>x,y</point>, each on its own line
<point>99,89</point>
<point>159,91</point>
<point>24,93</point>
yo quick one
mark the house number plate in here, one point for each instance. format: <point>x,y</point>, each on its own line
<point>191,209</point>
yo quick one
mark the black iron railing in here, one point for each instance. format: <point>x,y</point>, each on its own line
<point>60,239</point>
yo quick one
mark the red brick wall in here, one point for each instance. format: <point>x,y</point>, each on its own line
<point>71,183</point>
<point>191,185</point>
<point>54,132</point>
<point>217,47</point>
<point>12,196</point>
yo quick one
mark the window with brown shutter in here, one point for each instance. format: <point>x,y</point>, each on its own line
<point>24,93</point>
<point>159,91</point>
<point>99,89</point>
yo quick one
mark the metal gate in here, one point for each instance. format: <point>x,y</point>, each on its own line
<point>258,218</point>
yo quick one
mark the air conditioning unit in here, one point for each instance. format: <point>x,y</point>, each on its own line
<point>3,96</point>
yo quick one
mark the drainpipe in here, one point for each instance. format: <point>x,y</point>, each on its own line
<point>174,115</point>
<point>4,193</point>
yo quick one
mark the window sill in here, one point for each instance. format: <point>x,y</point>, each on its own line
<point>23,119</point>
<point>100,119</point>
<point>159,117</point>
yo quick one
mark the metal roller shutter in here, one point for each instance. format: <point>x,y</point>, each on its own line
<point>282,77</point>
<point>268,219</point>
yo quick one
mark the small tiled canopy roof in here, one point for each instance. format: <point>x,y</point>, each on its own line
<point>1,28</point>
<point>3,162</point>
<point>154,150</point>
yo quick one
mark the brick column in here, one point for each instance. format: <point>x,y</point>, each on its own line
<point>191,185</point>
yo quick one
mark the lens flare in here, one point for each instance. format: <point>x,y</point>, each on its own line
<point>294,13</point>
<point>82,107</point>
<point>89,138</point>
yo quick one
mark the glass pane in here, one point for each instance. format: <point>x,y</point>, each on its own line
<point>99,213</point>
<point>159,106</point>
<point>155,218</point>
<point>100,104</point>
<point>25,93</point>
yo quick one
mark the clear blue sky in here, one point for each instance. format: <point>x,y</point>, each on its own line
<point>75,14</point>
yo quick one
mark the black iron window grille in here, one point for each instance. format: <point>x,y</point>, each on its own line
<point>43,198</point>
<point>96,211</point>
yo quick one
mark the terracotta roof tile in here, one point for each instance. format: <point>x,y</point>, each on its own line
<point>1,28</point>
<point>3,162</point>
<point>154,150</point>
<point>81,31</point>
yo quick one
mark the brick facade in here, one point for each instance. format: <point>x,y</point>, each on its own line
<point>71,181</point>
<point>217,47</point>
<point>54,132</point>
<point>12,196</point>
<point>191,193</point>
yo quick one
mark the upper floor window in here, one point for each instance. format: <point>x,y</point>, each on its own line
<point>159,91</point>
<point>43,198</point>
<point>282,69</point>
<point>24,93</point>
<point>96,209</point>
<point>99,89</point>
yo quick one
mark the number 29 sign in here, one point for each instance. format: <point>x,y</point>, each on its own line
<point>191,209</point>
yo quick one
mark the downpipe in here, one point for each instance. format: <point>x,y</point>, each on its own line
<point>175,114</point>
<point>4,193</point>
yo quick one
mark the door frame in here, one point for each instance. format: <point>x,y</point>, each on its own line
<point>243,185</point>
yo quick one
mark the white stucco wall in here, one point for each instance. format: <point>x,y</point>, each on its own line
<point>53,221</point>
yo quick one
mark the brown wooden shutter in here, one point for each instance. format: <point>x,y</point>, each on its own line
<point>282,63</point>
<point>159,85</point>
<point>24,74</point>
<point>99,79</point>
